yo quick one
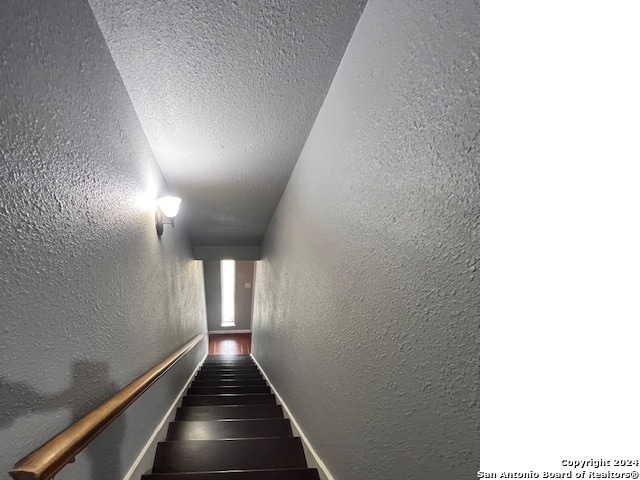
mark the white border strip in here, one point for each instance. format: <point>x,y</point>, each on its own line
<point>153,438</point>
<point>320,464</point>
<point>222,332</point>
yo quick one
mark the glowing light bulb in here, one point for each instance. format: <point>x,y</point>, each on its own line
<point>169,206</point>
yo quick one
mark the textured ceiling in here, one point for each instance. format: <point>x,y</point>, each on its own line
<point>227,92</point>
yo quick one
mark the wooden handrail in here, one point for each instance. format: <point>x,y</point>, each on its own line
<point>49,459</point>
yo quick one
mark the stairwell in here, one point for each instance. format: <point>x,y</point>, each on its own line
<point>229,427</point>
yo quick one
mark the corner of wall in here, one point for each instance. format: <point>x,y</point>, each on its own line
<point>312,457</point>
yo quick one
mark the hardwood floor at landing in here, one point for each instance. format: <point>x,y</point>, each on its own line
<point>230,344</point>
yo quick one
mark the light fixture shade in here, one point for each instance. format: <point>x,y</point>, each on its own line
<point>169,206</point>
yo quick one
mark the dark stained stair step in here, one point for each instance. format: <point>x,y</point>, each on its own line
<point>245,454</point>
<point>228,382</point>
<point>229,365</point>
<point>238,368</point>
<point>219,429</point>
<point>228,389</point>
<point>218,371</point>
<point>232,356</point>
<point>195,413</point>
<point>230,399</point>
<point>229,374</point>
<point>280,474</point>
<point>208,377</point>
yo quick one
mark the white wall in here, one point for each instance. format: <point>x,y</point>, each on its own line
<point>367,300</point>
<point>212,283</point>
<point>91,297</point>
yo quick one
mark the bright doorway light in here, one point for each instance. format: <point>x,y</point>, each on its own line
<point>228,281</point>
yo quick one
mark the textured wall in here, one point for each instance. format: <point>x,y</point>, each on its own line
<point>227,92</point>
<point>91,297</point>
<point>367,300</point>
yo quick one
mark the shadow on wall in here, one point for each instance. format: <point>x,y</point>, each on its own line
<point>19,400</point>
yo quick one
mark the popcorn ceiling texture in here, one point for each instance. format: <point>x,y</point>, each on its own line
<point>91,297</point>
<point>367,300</point>
<point>227,92</point>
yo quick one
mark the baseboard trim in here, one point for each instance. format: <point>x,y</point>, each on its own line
<point>324,470</point>
<point>133,472</point>
<point>222,332</point>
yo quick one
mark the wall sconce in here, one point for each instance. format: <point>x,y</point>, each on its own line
<point>167,209</point>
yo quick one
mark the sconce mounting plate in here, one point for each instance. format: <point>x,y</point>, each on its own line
<point>159,222</point>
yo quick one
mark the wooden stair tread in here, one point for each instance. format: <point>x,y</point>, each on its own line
<point>215,389</point>
<point>246,369</point>
<point>229,370</point>
<point>279,474</point>
<point>228,411</point>
<point>225,429</point>
<point>229,362</point>
<point>230,399</point>
<point>228,365</point>
<point>228,382</point>
<point>239,454</point>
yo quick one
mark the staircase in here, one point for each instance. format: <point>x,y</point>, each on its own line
<point>230,428</point>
